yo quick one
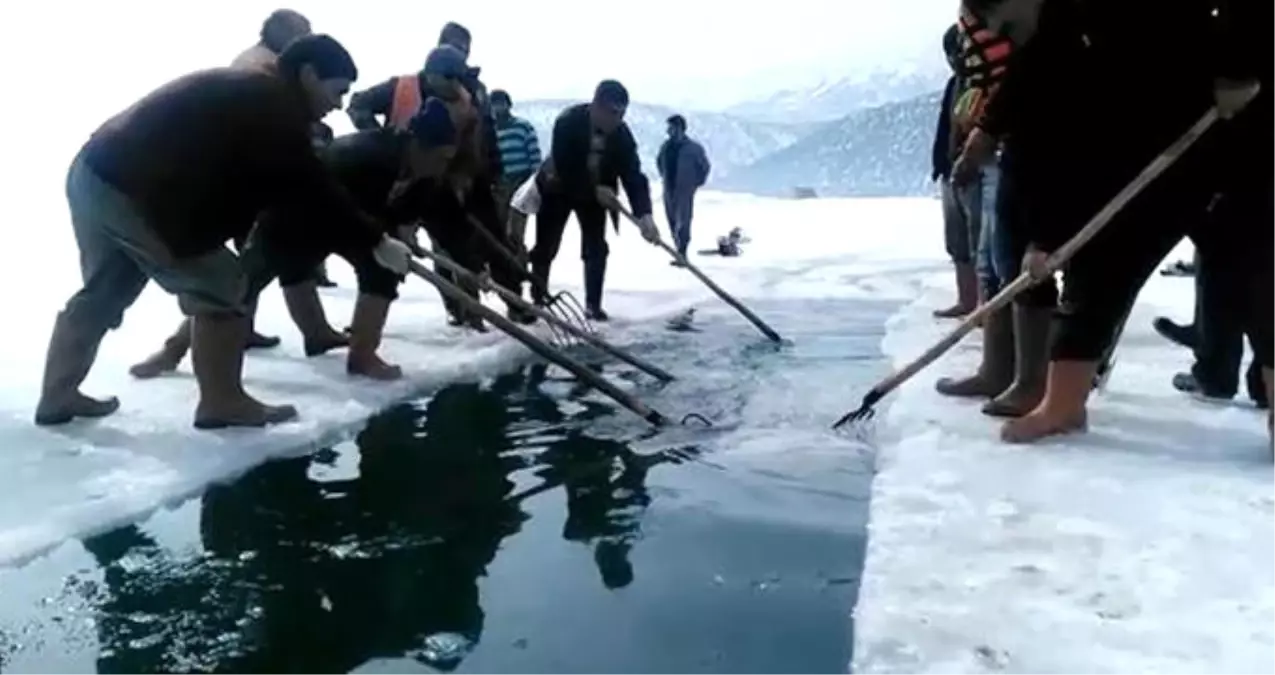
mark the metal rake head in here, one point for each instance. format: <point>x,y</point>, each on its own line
<point>568,309</point>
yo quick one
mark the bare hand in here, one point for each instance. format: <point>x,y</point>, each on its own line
<point>979,149</point>
<point>1232,96</point>
<point>1036,264</point>
<point>607,197</point>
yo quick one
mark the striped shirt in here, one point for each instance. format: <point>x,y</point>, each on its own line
<point>519,147</point>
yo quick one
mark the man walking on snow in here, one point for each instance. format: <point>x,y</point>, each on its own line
<point>592,150</point>
<point>159,189</point>
<point>684,168</point>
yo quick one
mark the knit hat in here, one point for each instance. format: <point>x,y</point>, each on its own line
<point>446,61</point>
<point>501,96</point>
<point>432,125</point>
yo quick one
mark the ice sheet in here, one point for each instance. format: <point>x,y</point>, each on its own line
<point>1144,546</point>
<point>60,483</point>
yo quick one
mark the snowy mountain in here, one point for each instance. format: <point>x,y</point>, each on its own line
<point>882,151</point>
<point>732,142</point>
<point>834,99</point>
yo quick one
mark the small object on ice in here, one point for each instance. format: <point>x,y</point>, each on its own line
<point>717,579</point>
<point>442,649</point>
<point>992,658</point>
<point>682,322</point>
<point>520,643</point>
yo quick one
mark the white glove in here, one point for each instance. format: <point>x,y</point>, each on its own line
<point>393,255</point>
<point>650,232</point>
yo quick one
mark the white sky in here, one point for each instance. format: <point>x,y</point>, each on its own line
<point>74,63</point>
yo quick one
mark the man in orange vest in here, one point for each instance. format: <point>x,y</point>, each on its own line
<point>399,98</point>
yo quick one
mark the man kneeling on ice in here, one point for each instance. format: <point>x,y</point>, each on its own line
<point>157,192</point>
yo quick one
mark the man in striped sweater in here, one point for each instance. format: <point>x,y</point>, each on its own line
<point>519,149</point>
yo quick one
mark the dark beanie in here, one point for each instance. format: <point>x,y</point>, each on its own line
<point>432,125</point>
<point>951,40</point>
<point>323,53</point>
<point>612,92</point>
<point>501,95</point>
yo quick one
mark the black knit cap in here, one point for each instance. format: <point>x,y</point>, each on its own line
<point>502,96</point>
<point>611,92</point>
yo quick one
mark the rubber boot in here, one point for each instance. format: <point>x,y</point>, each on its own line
<point>72,350</point>
<point>217,354</point>
<point>540,284</point>
<point>517,314</point>
<point>966,293</point>
<point>1062,410</point>
<point>1268,376</point>
<point>306,310</point>
<point>1031,361</point>
<point>366,329</point>
<point>996,371</point>
<point>595,273</point>
<point>168,357</point>
<point>258,341</point>
<point>1255,382</point>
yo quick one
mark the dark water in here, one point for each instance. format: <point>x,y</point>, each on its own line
<point>509,525</point>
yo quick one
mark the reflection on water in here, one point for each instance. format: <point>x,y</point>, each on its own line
<point>517,525</point>
<point>305,574</point>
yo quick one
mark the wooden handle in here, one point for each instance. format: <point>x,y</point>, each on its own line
<point>726,297</point>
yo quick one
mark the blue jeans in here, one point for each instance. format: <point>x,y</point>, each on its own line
<point>997,264</point>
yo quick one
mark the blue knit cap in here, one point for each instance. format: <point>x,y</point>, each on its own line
<point>432,125</point>
<point>446,61</point>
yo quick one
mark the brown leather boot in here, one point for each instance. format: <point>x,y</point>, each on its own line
<point>996,370</point>
<point>366,328</point>
<point>1031,362</point>
<point>217,353</point>
<point>168,357</point>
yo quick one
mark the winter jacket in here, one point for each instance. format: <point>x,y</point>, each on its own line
<point>572,135</point>
<point>519,148</point>
<point>201,156</point>
<point>941,153</point>
<point>683,165</point>
<point>379,100</point>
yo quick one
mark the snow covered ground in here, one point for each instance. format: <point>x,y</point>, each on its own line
<point>64,482</point>
<point>1144,546</point>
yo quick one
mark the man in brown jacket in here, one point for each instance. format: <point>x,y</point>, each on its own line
<point>159,189</point>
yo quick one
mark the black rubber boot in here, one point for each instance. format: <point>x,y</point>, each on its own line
<point>595,273</point>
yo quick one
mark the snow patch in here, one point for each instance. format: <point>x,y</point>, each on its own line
<point>1144,546</point>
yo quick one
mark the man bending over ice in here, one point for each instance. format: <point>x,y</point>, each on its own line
<point>159,189</point>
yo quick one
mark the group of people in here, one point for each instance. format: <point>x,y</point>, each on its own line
<point>1055,106</point>
<point>239,154</point>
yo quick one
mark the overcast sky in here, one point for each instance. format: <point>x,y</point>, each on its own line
<point>73,63</point>
<point>683,52</point>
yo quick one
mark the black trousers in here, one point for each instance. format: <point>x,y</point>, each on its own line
<point>276,250</point>
<point>1234,285</point>
<point>1103,280</point>
<point>453,231</point>
<point>551,222</point>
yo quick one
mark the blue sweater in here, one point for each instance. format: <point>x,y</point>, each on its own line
<point>519,147</point>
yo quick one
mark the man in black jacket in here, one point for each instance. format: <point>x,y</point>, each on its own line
<point>592,151</point>
<point>159,189</point>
